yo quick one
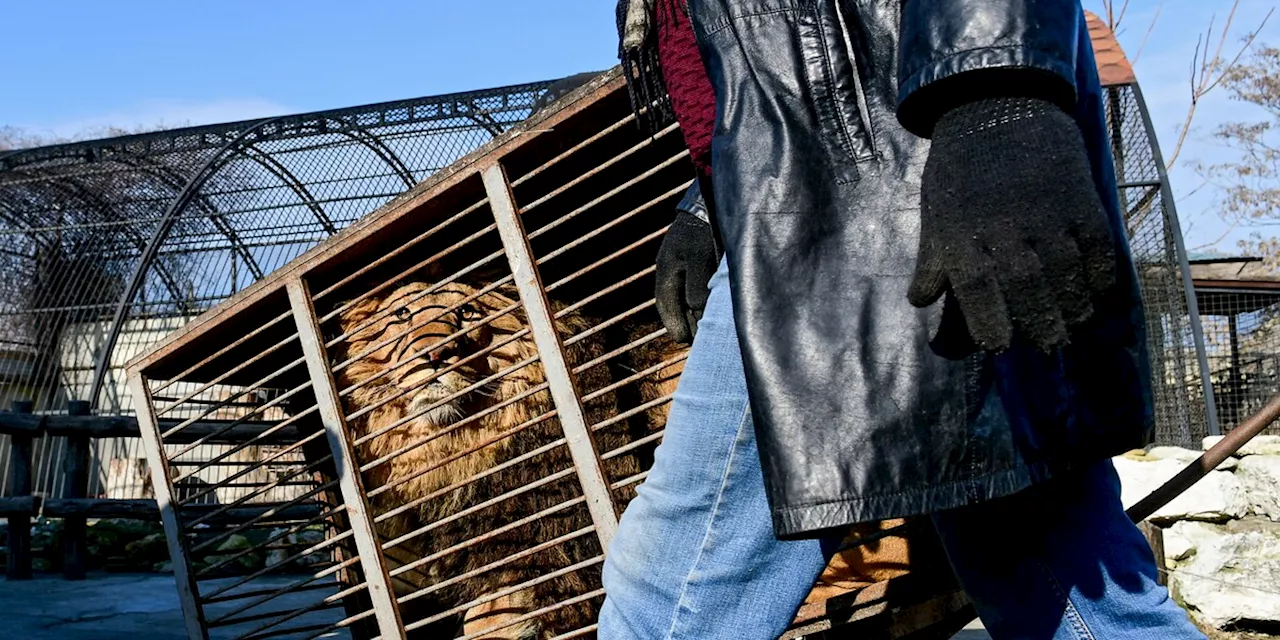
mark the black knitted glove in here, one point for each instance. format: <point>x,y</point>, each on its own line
<point>686,261</point>
<point>1011,225</point>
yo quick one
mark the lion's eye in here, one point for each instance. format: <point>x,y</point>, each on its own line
<point>469,312</point>
<point>403,313</point>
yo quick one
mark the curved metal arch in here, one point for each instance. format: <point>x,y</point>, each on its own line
<point>188,193</point>
<point>74,189</point>
<point>296,185</point>
<point>174,179</point>
<point>95,199</point>
<point>380,149</point>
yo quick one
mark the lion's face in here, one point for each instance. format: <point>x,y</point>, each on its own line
<point>425,343</point>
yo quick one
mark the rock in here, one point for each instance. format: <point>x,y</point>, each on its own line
<point>163,567</point>
<point>1233,581</point>
<point>1184,456</point>
<point>1258,446</point>
<point>1183,538</point>
<point>1259,476</point>
<point>232,548</point>
<point>1215,498</point>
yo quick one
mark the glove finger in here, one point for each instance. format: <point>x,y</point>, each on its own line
<point>930,279</point>
<point>1063,268</point>
<point>983,306</point>
<point>1031,303</point>
<point>668,297</point>
<point>1098,250</point>
<point>952,341</point>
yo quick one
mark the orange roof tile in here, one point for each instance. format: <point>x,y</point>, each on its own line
<point>1113,67</point>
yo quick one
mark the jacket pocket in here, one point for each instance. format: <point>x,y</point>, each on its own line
<point>835,80</point>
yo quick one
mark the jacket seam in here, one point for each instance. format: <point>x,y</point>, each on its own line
<point>910,492</point>
<point>1031,57</point>
<point>720,24</point>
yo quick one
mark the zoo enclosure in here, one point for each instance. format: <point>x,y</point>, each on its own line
<point>108,245</point>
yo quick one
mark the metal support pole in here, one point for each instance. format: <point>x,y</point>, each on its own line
<point>192,612</point>
<point>75,469</point>
<point>19,536</point>
<point>595,486</point>
<point>1180,253</point>
<point>344,458</point>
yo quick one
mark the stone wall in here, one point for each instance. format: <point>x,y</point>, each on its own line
<point>1221,537</point>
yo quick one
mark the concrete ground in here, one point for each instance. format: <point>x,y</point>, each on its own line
<point>145,607</point>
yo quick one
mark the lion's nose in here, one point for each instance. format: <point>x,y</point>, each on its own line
<point>446,353</point>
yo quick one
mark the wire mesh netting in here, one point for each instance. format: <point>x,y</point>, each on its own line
<point>1242,340</point>
<point>111,244</point>
<point>1155,238</point>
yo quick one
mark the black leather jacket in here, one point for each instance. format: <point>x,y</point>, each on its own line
<point>823,112</point>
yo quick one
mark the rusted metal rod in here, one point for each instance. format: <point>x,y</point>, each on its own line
<point>1208,461</point>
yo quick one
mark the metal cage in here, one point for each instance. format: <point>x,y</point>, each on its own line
<point>108,245</point>
<point>471,381</point>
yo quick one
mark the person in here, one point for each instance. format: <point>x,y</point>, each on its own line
<point>926,306</point>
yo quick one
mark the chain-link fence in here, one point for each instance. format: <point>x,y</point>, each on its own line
<point>1239,301</point>
<point>109,245</point>
<point>1183,400</point>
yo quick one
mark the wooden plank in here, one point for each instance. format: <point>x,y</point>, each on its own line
<point>595,486</point>
<point>76,461</point>
<point>127,427</point>
<point>192,613</point>
<point>18,559</point>
<point>1155,539</point>
<point>17,507</point>
<point>372,563</point>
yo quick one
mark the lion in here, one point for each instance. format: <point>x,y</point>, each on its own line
<point>442,383</point>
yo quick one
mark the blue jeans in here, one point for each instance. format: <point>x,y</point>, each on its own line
<point>695,556</point>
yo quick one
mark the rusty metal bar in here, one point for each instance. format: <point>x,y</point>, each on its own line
<point>605,291</point>
<point>176,402</point>
<point>607,259</point>
<point>601,167</point>
<point>294,528</point>
<point>585,631</point>
<point>327,632</point>
<point>264,596</point>
<point>371,560</point>
<point>610,322</point>
<point>538,311</point>
<point>401,249</point>
<point>1207,462</point>
<point>613,222</point>
<point>496,564</point>
<point>218,459</point>
<point>535,613</point>
<point>639,477</point>
<point>506,592</point>
<point>238,421</point>
<point>192,612</point>
<point>635,444</point>
<point>574,149</point>
<point>235,343</point>
<point>462,454</point>
<point>450,398</point>
<point>248,524</point>
<point>416,267</point>
<point>656,402</point>
<point>476,508</point>
<point>420,295</point>
<point>243,580</point>
<point>503,529</point>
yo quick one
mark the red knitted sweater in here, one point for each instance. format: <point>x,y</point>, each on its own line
<point>692,98</point>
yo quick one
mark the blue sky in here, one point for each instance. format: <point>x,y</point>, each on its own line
<point>76,65</point>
